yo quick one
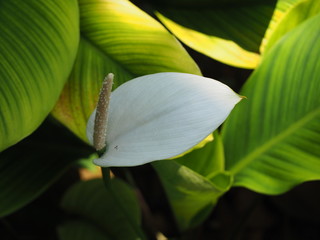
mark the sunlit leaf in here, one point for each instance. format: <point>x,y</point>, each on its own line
<point>272,140</point>
<point>296,14</point>
<point>233,32</point>
<point>221,31</point>
<point>38,44</point>
<point>117,37</point>
<point>80,94</point>
<point>224,49</point>
<point>282,8</point>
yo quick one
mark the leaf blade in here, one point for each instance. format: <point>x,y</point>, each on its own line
<point>226,51</point>
<point>283,93</point>
<point>295,15</point>
<point>23,173</point>
<point>191,195</point>
<point>38,46</point>
<point>104,205</point>
<point>130,41</point>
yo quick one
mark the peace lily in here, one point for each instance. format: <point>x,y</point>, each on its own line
<point>156,117</point>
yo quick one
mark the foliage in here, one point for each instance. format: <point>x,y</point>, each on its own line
<point>270,143</point>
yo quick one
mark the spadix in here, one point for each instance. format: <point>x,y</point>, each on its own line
<point>160,116</point>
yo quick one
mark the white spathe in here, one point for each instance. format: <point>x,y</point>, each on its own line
<point>160,116</point>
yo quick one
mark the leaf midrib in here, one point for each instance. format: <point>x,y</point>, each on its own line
<point>245,161</point>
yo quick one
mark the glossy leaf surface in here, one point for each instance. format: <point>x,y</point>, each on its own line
<point>116,37</point>
<point>274,137</point>
<point>38,45</point>
<point>221,31</point>
<point>234,32</point>
<point>296,14</point>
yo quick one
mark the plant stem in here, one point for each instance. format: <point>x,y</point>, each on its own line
<point>105,175</point>
<point>105,170</point>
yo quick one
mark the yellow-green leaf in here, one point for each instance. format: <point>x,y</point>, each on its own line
<point>272,140</point>
<point>233,32</point>
<point>117,37</point>
<point>295,15</point>
<point>226,51</point>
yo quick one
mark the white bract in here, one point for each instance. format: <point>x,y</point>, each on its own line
<point>160,116</point>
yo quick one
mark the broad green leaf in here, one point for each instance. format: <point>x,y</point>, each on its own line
<point>38,45</point>
<point>299,12</point>
<point>202,3</point>
<point>282,8</point>
<point>191,195</point>
<point>206,39</point>
<point>162,115</point>
<point>31,166</point>
<point>230,33</point>
<point>187,177</point>
<point>272,140</point>
<point>111,210</point>
<point>80,94</point>
<point>117,37</point>
<point>233,32</point>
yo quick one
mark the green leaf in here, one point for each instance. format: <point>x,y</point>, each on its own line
<point>38,45</point>
<point>191,196</point>
<point>191,3</point>
<point>222,31</point>
<point>272,140</point>
<point>233,32</point>
<point>299,12</point>
<point>110,210</point>
<point>204,40</point>
<point>31,166</point>
<point>116,37</point>
<point>80,93</point>
<point>207,160</point>
<point>194,182</point>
